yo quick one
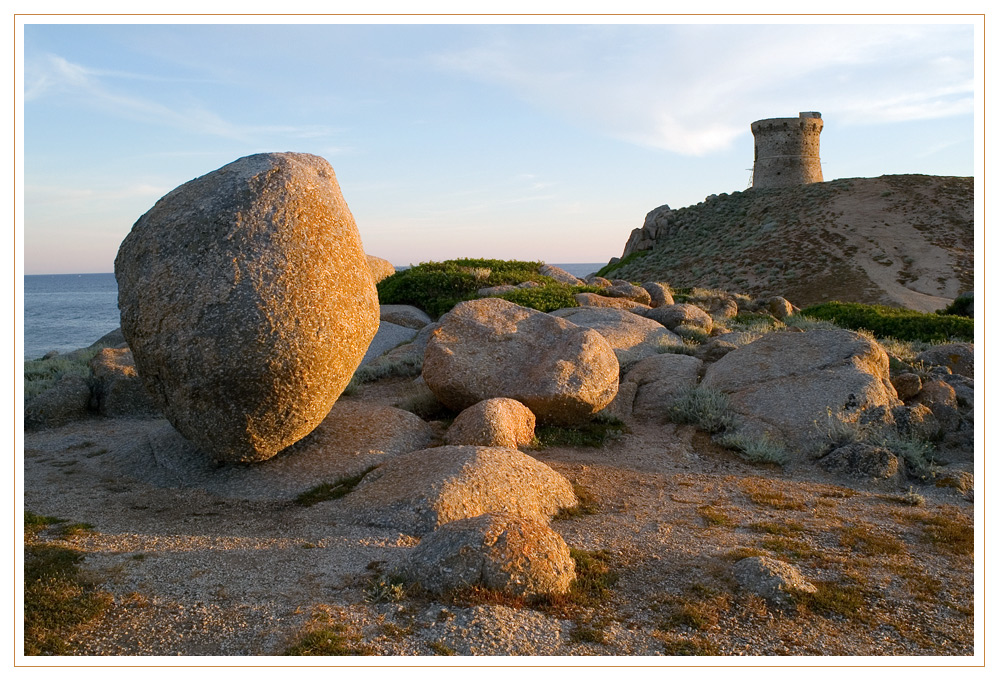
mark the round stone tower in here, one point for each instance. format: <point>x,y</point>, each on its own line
<point>786,150</point>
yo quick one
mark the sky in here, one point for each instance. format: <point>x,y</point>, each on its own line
<point>528,141</point>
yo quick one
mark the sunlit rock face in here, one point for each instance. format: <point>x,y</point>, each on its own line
<point>248,302</point>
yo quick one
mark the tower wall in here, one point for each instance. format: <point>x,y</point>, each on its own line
<point>786,150</point>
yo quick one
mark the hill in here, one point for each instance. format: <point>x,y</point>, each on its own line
<point>900,240</point>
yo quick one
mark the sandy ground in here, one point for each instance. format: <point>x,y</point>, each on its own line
<point>201,570</point>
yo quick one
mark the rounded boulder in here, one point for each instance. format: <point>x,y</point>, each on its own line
<point>248,303</point>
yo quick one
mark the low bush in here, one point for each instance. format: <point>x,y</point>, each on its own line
<point>708,410</point>
<point>899,323</point>
<point>41,375</point>
<point>547,297</point>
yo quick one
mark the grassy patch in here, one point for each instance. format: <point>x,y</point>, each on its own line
<point>714,516</point>
<point>331,491</point>
<point>593,434</point>
<point>699,608</point>
<point>41,375</point>
<point>755,449</point>
<point>946,529</point>
<point>680,645</point>
<point>330,640</point>
<point>864,539</point>
<point>786,528</point>
<point>833,599</point>
<point>790,548</point>
<point>898,323</point>
<point>586,633</point>
<point>57,597</point>
<point>383,590</point>
<point>769,494</point>
<point>594,577</point>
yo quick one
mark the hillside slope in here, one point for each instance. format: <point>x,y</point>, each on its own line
<point>902,240</point>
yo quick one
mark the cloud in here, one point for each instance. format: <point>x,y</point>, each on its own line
<point>694,90</point>
<point>50,75</point>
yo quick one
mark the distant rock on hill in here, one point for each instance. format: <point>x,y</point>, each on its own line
<point>901,240</point>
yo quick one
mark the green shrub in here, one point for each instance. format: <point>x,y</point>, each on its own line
<point>899,323</point>
<point>41,375</point>
<point>437,287</point>
<point>611,267</point>
<point>548,297</point>
<point>755,450</point>
<point>707,409</point>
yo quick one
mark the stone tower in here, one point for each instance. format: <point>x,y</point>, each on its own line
<point>786,150</point>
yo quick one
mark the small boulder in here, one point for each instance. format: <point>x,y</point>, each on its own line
<point>940,397</point>
<point>598,281</point>
<point>779,307</point>
<point>863,461</point>
<point>621,288</point>
<point>907,385</point>
<point>659,294</point>
<point>491,348</point>
<point>497,422</point>
<point>497,551</point>
<point>380,267</point>
<point>774,580</point>
<point>660,381</point>
<point>420,491</point>
<point>681,314</point>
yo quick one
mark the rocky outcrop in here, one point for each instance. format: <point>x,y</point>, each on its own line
<point>491,348</point>
<point>497,422</point>
<point>656,226</point>
<point>247,301</point>
<point>787,383</point>
<point>423,490</point>
<point>631,336</point>
<point>500,552</point>
<point>863,461</point>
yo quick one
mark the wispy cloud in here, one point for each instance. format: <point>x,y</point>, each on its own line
<point>695,89</point>
<point>50,75</point>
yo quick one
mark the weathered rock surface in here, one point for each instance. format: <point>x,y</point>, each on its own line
<point>681,314</point>
<point>380,267</point>
<point>117,388</point>
<point>248,303</point>
<point>497,422</point>
<point>958,357</point>
<point>660,381</point>
<point>491,348</point>
<point>863,461</point>
<point>632,337</point>
<point>779,307</point>
<point>418,492</point>
<point>907,385</point>
<point>502,552</point>
<point>353,437</point>
<point>771,579</point>
<point>659,294</point>
<point>404,315</point>
<point>598,301</point>
<point>786,383</point>
<point>387,337</point>
<point>622,289</point>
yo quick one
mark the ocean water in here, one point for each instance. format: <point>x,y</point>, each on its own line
<point>66,312</point>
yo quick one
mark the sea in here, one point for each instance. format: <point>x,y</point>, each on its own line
<point>66,312</point>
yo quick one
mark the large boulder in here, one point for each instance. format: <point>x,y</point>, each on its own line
<point>247,301</point>
<point>491,348</point>
<point>418,492</point>
<point>787,384</point>
<point>501,552</point>
<point>633,337</point>
<point>497,422</point>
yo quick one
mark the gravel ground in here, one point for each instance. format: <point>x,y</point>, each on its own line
<point>195,572</point>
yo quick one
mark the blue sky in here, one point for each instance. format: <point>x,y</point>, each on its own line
<point>546,142</point>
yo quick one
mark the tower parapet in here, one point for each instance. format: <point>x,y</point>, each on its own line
<point>786,150</point>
